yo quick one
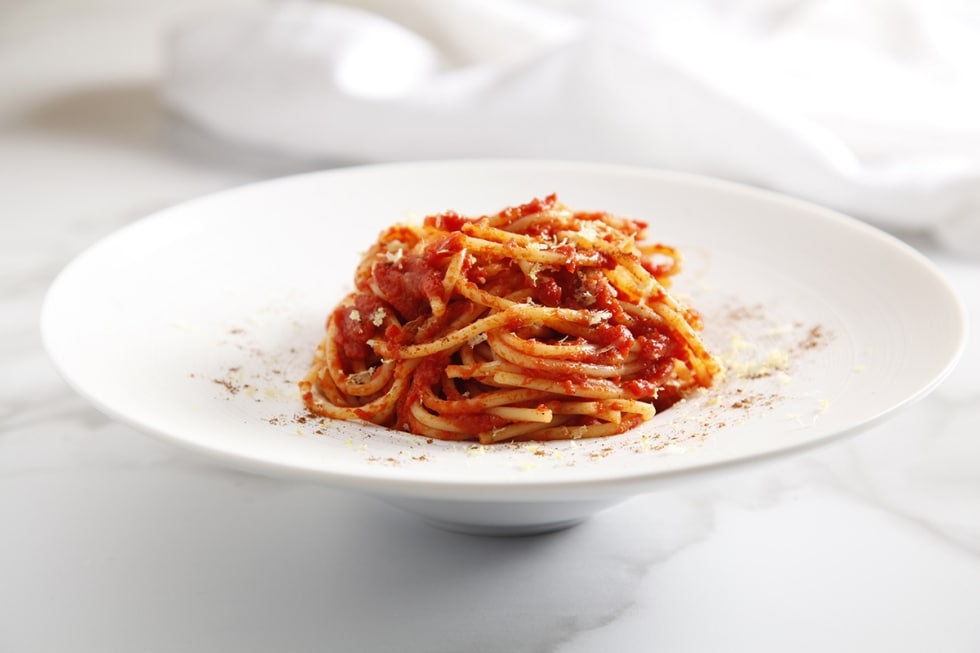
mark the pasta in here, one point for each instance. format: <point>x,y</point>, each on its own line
<point>535,323</point>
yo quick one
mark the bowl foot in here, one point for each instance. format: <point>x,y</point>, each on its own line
<point>489,518</point>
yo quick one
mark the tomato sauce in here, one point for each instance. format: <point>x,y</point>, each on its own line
<point>408,285</point>
<point>356,325</point>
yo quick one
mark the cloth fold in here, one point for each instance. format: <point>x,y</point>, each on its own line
<point>868,107</point>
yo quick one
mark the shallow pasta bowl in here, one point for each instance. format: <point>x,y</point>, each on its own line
<point>194,324</point>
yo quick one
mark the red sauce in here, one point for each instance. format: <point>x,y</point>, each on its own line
<point>447,221</point>
<point>530,208</point>
<point>659,269</point>
<point>616,337</point>
<point>655,346</point>
<point>642,388</point>
<point>354,333</point>
<point>547,291</point>
<point>408,285</point>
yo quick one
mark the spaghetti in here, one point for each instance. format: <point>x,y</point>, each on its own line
<point>536,323</point>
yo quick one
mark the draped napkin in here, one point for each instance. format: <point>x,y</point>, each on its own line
<point>870,107</point>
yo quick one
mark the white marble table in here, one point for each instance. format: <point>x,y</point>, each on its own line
<point>112,541</point>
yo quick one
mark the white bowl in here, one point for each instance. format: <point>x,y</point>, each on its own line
<point>195,323</point>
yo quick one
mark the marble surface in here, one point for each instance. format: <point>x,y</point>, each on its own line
<point>113,541</point>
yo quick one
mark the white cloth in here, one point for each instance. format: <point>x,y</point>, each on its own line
<point>870,107</point>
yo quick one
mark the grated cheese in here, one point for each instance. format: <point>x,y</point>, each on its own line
<point>599,316</point>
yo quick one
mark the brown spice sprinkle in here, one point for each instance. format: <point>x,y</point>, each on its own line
<point>741,313</point>
<point>227,385</point>
<point>815,338</point>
